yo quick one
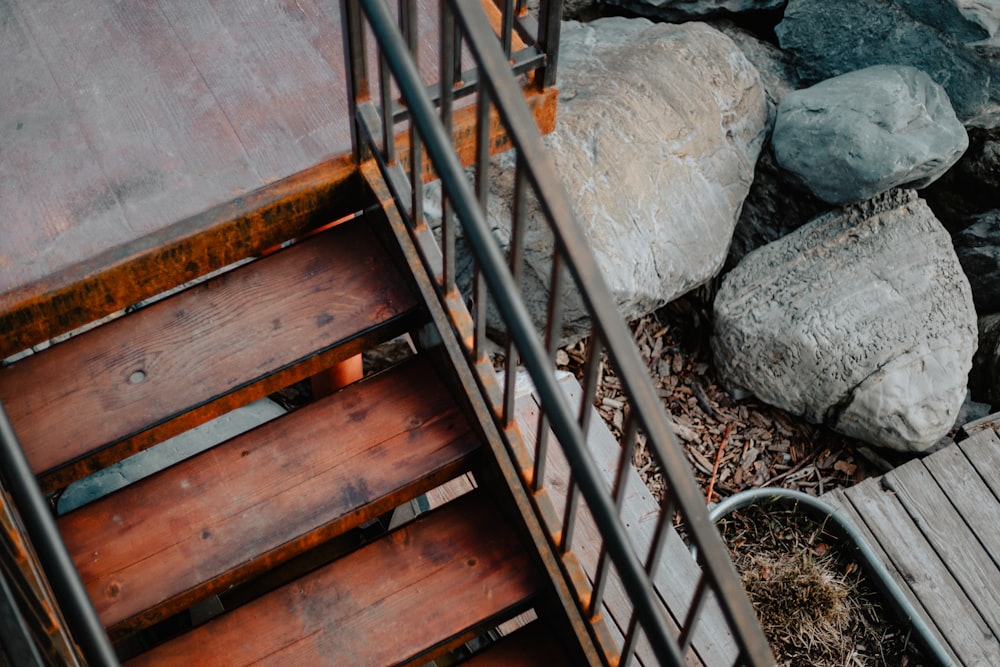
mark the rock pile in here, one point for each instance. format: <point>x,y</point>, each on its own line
<point>875,129</point>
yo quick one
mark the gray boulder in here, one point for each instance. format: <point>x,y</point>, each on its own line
<point>658,130</point>
<point>687,10</point>
<point>862,319</point>
<point>978,249</point>
<point>774,206</point>
<point>954,41</point>
<point>853,136</point>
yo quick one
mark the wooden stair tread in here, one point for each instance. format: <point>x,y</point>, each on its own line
<point>421,588</point>
<point>197,528</point>
<point>534,645</point>
<point>185,354</point>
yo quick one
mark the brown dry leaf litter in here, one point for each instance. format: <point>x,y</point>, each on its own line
<point>765,446</point>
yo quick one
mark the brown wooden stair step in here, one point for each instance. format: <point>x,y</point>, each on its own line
<point>419,590</point>
<point>214,520</point>
<point>224,343</point>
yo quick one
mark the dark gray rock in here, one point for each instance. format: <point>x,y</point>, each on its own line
<point>853,136</point>
<point>984,380</point>
<point>956,46</point>
<point>978,249</point>
<point>972,186</point>
<point>686,10</point>
<point>861,319</point>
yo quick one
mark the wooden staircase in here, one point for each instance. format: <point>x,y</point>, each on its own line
<point>275,525</point>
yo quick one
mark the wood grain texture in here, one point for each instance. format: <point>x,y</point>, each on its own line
<point>399,599</point>
<point>678,575</point>
<point>929,578</point>
<point>260,499</point>
<point>982,449</point>
<point>838,500</point>
<point>950,538</point>
<point>148,144</point>
<point>186,351</point>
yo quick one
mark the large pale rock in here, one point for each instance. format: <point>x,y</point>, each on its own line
<point>978,248</point>
<point>687,10</point>
<point>954,41</point>
<point>853,136</point>
<point>658,130</point>
<point>861,319</point>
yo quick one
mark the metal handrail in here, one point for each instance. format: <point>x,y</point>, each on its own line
<point>535,172</point>
<point>72,600</point>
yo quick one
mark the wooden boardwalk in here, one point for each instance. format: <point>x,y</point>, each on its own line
<point>146,144</point>
<point>935,523</point>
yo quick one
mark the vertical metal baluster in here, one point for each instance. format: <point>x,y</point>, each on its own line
<point>517,270</point>
<point>408,25</point>
<point>621,479</point>
<point>552,332</point>
<point>357,74</point>
<point>663,526</point>
<point>507,27</point>
<point>447,95</point>
<point>591,372</point>
<point>483,192</point>
<point>549,26</point>
<point>388,110</point>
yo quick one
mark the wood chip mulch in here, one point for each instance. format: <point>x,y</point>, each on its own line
<point>731,445</point>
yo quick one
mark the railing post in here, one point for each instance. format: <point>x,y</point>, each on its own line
<point>353,29</point>
<point>549,24</point>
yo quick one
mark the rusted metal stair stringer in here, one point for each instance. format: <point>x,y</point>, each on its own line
<point>508,450</point>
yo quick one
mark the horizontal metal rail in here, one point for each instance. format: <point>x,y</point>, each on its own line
<point>497,278</point>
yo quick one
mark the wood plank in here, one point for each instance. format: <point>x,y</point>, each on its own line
<point>675,581</point>
<point>949,537</point>
<point>185,353</point>
<point>261,498</point>
<point>838,500</point>
<point>983,451</point>
<point>405,597</point>
<point>165,148</point>
<point>928,577</point>
<point>978,506</point>
<point>534,645</point>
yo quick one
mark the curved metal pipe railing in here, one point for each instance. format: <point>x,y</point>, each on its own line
<point>497,278</point>
<point>869,559</point>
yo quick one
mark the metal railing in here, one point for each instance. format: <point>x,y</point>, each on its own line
<point>46,617</point>
<point>466,33</point>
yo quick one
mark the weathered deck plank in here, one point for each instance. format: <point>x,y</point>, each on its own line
<point>149,144</point>
<point>912,557</point>
<point>950,538</point>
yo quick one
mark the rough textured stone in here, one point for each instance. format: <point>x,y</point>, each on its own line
<point>853,136</point>
<point>658,130</point>
<point>978,249</point>
<point>687,10</point>
<point>954,41</point>
<point>861,319</point>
